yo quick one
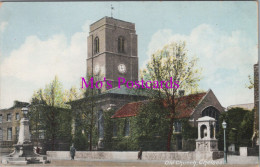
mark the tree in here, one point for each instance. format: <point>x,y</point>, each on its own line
<point>50,111</point>
<point>86,115</point>
<point>251,82</point>
<point>171,64</point>
<point>239,127</point>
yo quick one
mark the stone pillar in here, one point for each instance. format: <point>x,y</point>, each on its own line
<point>24,133</point>
<point>214,135</point>
<point>208,130</point>
<point>199,135</point>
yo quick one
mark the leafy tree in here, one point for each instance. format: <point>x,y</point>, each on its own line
<point>50,111</point>
<point>188,131</point>
<point>246,129</point>
<point>86,113</point>
<point>239,127</point>
<point>150,126</point>
<point>171,64</point>
<point>251,82</point>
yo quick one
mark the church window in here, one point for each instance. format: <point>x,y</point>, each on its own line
<point>127,127</point>
<point>121,45</point>
<point>96,45</point>
<point>212,112</point>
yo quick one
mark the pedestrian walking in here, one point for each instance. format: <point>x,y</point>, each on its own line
<point>140,154</point>
<point>72,151</point>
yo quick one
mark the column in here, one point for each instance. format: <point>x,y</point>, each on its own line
<point>208,130</point>
<point>199,131</point>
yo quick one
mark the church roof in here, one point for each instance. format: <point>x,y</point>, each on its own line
<point>123,90</point>
<point>184,109</point>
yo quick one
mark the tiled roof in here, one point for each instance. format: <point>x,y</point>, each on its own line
<point>185,106</point>
<point>128,110</point>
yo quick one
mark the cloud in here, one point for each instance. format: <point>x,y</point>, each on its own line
<point>3,26</point>
<point>224,57</point>
<point>37,61</point>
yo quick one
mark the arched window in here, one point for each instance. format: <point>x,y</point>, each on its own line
<point>203,131</point>
<point>96,45</point>
<point>212,112</point>
<point>121,45</point>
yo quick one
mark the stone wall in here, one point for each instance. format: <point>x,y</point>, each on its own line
<point>118,155</point>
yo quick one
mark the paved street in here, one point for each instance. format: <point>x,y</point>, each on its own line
<point>234,161</point>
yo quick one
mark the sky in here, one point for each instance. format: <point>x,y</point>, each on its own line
<point>42,39</point>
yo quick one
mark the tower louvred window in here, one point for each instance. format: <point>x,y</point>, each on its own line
<point>96,45</point>
<point>121,45</point>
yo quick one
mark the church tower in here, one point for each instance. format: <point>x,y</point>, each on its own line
<point>112,47</point>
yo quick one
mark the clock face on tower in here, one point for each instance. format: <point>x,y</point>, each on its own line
<point>122,68</point>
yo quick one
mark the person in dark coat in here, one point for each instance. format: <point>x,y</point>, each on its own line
<point>72,151</point>
<point>37,150</point>
<point>140,154</point>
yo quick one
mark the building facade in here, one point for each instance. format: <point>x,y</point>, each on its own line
<point>9,125</point>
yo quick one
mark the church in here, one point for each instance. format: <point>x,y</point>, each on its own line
<point>113,53</point>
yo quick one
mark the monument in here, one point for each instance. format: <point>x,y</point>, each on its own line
<point>207,144</point>
<point>23,150</point>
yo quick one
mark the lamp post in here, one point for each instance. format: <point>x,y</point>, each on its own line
<point>224,125</point>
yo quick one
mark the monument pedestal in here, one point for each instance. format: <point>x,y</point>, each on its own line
<point>207,144</point>
<point>208,150</point>
<point>23,150</point>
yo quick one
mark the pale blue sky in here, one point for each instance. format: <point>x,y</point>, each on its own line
<point>222,34</point>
